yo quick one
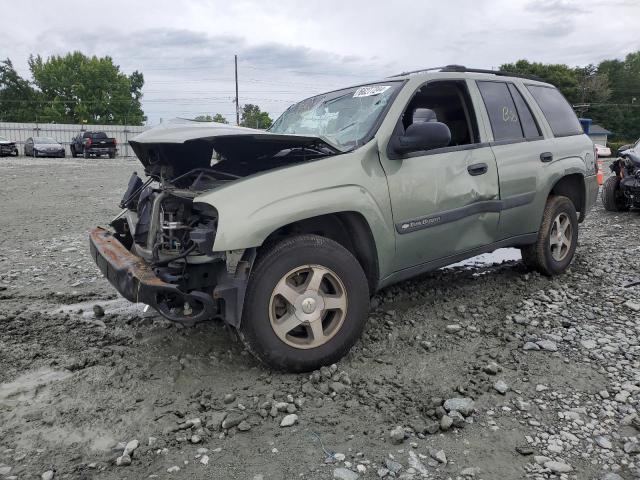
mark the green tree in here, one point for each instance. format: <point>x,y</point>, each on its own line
<point>218,118</point>
<point>18,99</point>
<point>76,88</point>
<point>253,117</point>
<point>562,76</point>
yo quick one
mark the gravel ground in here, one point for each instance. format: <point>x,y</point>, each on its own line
<point>481,371</point>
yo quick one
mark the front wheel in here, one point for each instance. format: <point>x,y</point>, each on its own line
<point>612,197</point>
<point>306,304</point>
<point>557,238</point>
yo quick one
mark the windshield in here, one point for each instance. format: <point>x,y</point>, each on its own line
<point>44,140</point>
<point>345,117</point>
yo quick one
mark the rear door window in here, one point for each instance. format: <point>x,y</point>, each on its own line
<point>502,111</point>
<point>561,117</point>
<point>529,126</point>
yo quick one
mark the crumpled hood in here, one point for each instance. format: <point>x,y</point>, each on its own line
<point>181,146</point>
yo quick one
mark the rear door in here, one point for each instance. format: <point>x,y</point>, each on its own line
<point>520,150</point>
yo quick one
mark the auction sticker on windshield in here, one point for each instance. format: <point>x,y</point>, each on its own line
<point>370,91</point>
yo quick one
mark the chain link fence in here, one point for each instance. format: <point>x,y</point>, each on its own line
<point>63,133</point>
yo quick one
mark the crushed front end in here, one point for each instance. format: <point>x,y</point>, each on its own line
<point>160,252</point>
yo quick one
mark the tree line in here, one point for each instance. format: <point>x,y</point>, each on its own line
<point>76,88</point>
<point>73,88</point>
<point>608,93</point>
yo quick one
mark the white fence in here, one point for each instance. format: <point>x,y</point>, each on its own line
<point>63,133</point>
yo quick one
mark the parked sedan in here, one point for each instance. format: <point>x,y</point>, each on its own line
<point>43,147</point>
<point>603,151</point>
<point>7,147</point>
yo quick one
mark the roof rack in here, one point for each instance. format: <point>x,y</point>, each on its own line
<point>462,68</point>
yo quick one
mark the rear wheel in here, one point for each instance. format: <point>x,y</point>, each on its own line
<point>73,151</point>
<point>557,238</point>
<point>112,155</point>
<point>612,197</point>
<point>306,304</point>
<point>85,154</point>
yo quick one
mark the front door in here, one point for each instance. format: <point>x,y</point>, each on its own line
<point>446,201</point>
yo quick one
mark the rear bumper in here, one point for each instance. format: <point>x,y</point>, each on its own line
<point>136,281</point>
<point>591,194</point>
<point>100,150</point>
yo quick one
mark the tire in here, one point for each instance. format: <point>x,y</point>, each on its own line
<point>612,198</point>
<point>340,274</point>
<point>112,155</point>
<point>73,151</point>
<point>85,154</point>
<point>541,256</point>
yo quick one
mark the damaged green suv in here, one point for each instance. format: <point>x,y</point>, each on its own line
<point>285,234</point>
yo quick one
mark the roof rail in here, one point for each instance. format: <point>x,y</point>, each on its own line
<point>462,68</point>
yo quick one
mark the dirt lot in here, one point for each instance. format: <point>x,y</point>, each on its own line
<point>550,364</point>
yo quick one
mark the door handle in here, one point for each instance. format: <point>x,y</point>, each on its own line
<point>477,169</point>
<point>546,157</point>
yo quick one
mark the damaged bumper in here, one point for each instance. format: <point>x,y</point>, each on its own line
<point>137,282</point>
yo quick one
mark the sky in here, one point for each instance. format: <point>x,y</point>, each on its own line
<point>292,49</point>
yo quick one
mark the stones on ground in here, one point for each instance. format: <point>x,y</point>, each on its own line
<point>631,447</point>
<point>631,305</point>
<point>244,426</point>
<point>531,346</point>
<point>416,464</point>
<point>48,475</point>
<point>604,442</point>
<point>558,467</point>
<point>548,345</point>
<point>588,344</point>
<point>453,328</point>
<point>151,441</point>
<point>501,387</point>
<point>611,476</point>
<point>457,418</point>
<point>524,450</point>
<point>98,311</point>
<point>446,422</point>
<point>289,420</point>
<point>396,435</point>
<point>173,469</point>
<point>492,368</point>
<point>233,419</point>
<point>392,466</point>
<point>123,461</point>
<point>345,474</point>
<point>470,472</point>
<point>195,439</point>
<point>438,455</point>
<point>229,398</point>
<point>5,469</point>
<point>204,459</point>
<point>130,447</point>
<point>463,405</point>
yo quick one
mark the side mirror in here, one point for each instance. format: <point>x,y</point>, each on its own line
<point>422,136</point>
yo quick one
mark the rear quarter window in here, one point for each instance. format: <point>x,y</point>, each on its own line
<point>561,117</point>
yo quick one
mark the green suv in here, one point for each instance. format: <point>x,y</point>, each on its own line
<point>285,234</point>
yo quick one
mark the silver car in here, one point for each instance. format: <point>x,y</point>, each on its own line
<point>43,147</point>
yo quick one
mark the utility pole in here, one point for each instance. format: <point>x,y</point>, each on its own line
<point>237,104</point>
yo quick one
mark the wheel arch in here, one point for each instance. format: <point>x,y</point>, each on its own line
<point>572,186</point>
<point>348,228</point>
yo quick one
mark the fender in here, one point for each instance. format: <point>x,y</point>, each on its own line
<point>304,191</point>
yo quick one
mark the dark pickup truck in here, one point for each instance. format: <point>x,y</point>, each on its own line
<point>93,143</point>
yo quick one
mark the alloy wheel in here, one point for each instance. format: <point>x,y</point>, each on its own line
<point>308,306</point>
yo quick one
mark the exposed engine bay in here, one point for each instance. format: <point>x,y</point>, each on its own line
<point>161,224</point>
